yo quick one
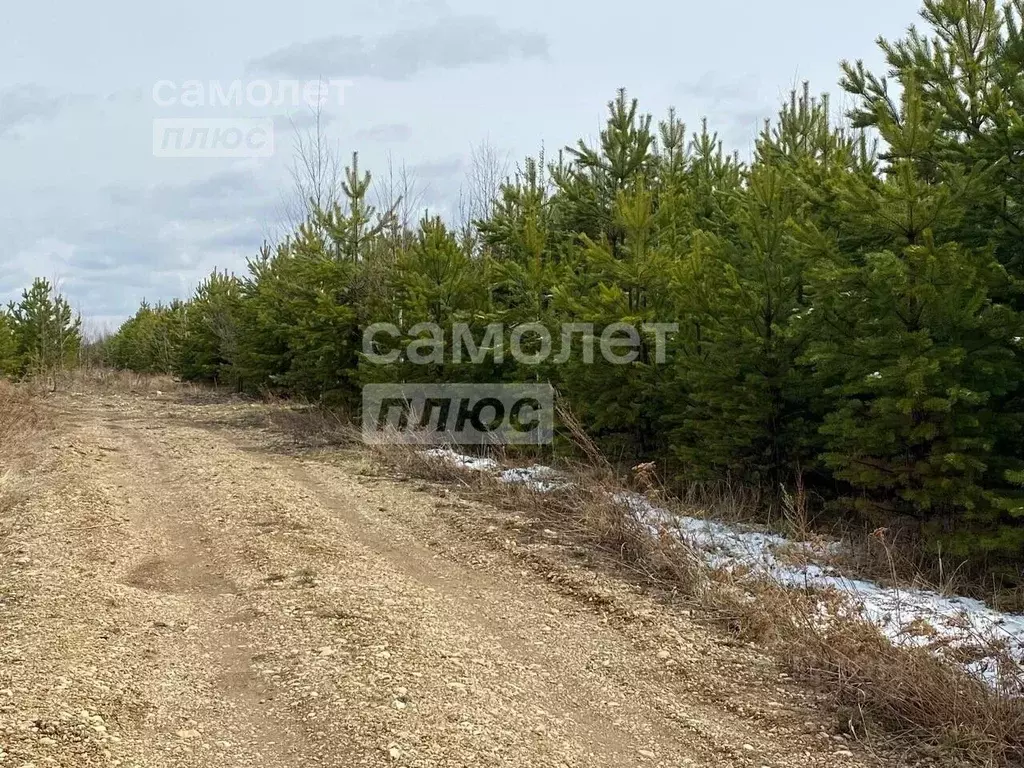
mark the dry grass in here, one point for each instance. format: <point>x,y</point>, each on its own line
<point>888,694</point>
<point>883,693</point>
<point>909,691</point>
<point>584,509</point>
<point>111,381</point>
<point>21,419</point>
<point>312,426</point>
<point>22,422</point>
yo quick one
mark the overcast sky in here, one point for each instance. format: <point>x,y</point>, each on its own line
<point>85,200</point>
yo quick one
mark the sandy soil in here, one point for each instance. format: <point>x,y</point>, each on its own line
<point>184,590</point>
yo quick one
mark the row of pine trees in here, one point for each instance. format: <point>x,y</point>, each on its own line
<point>849,300</point>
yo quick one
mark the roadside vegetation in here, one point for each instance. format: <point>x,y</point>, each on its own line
<point>22,426</point>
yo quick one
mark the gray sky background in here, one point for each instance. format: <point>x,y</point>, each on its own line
<point>83,199</point>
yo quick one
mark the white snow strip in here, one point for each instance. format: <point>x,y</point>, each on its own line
<point>460,460</point>
<point>538,478</point>
<point>907,616</point>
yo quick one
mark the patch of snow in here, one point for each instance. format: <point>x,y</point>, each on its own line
<point>907,616</point>
<point>538,478</point>
<point>460,460</point>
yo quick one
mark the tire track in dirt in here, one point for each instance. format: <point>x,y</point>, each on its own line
<point>217,603</point>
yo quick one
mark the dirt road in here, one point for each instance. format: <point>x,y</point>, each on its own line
<point>182,591</point>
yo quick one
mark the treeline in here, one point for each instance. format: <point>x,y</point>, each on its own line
<point>40,334</point>
<point>849,301</point>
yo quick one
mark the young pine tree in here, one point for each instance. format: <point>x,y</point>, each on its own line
<point>8,344</point>
<point>969,63</point>
<point>47,333</point>
<point>209,344</point>
<point>921,361</point>
<point>752,409</point>
<point>437,285</point>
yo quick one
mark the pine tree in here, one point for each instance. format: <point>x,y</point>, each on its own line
<point>150,341</point>
<point>437,285</point>
<point>751,408</point>
<point>590,182</point>
<point>47,333</point>
<point>528,258</point>
<point>614,276</point>
<point>209,343</point>
<point>620,291</point>
<point>302,308</point>
<point>969,70</point>
<point>918,354</point>
<point>349,233</point>
<point>8,345</point>
<point>261,356</point>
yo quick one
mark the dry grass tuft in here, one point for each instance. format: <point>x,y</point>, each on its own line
<point>904,690</point>
<point>21,419</point>
<point>585,509</point>
<point>881,692</point>
<point>22,422</point>
<point>311,425</point>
